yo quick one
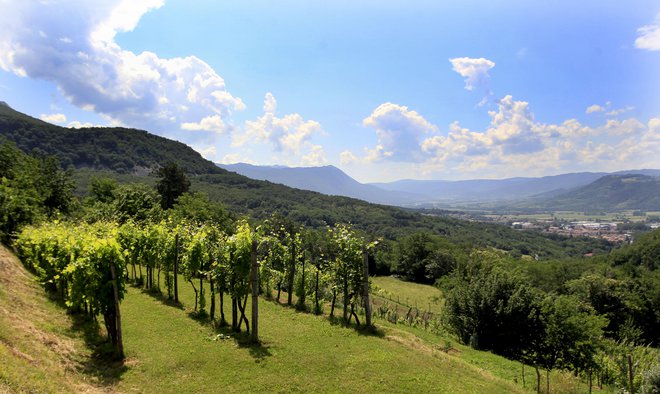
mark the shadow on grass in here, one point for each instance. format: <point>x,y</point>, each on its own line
<point>102,364</point>
<point>157,294</point>
<point>223,331</point>
<point>362,329</point>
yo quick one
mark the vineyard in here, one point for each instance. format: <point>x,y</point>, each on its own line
<point>89,265</point>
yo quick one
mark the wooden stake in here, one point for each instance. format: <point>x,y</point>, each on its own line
<point>367,305</point>
<point>115,290</point>
<point>254,278</point>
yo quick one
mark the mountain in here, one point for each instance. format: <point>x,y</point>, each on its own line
<point>611,193</point>
<point>501,189</point>
<point>124,154</point>
<point>328,180</point>
<point>113,148</point>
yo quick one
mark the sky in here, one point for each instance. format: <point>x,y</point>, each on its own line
<point>384,90</point>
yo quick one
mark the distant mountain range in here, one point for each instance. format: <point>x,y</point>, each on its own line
<point>328,180</point>
<point>544,192</point>
<point>609,193</point>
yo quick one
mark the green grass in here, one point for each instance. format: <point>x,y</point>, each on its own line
<point>168,351</point>
<point>423,297</point>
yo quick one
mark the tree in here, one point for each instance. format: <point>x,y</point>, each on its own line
<point>489,307</point>
<point>56,186</point>
<point>102,190</point>
<point>172,184</point>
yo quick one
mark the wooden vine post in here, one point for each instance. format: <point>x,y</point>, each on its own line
<point>367,304</point>
<point>119,352</point>
<point>176,268</point>
<point>254,279</point>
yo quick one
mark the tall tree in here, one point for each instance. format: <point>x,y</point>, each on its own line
<point>173,183</point>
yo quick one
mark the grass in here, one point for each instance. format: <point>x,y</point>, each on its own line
<point>170,349</point>
<point>299,352</point>
<point>423,297</point>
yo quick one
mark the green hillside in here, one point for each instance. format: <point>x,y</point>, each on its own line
<point>168,351</point>
<point>611,193</point>
<point>129,155</point>
<point>113,148</point>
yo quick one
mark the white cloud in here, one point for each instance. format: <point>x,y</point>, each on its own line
<point>347,157</point>
<point>208,152</point>
<point>515,144</point>
<point>288,134</point>
<point>617,112</point>
<point>53,118</point>
<point>595,108</point>
<point>316,157</point>
<point>649,36</point>
<point>475,72</point>
<point>399,131</point>
<point>210,123</point>
<point>72,44</point>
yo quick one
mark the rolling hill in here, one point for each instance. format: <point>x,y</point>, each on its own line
<point>328,180</point>
<point>129,155</point>
<point>610,193</point>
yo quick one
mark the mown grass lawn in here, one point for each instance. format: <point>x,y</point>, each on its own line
<point>422,297</point>
<point>170,351</point>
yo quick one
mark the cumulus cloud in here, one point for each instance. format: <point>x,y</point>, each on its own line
<point>288,134</point>
<point>209,123</point>
<point>316,157</point>
<point>72,44</point>
<point>399,132</point>
<point>475,72</point>
<point>595,108</point>
<point>516,144</point>
<point>347,157</point>
<point>649,36</point>
<point>53,118</point>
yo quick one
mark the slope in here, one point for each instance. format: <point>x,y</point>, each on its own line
<point>129,154</point>
<point>41,349</point>
<point>168,351</point>
<point>611,193</point>
<point>501,189</point>
<point>328,180</point>
<point>118,149</point>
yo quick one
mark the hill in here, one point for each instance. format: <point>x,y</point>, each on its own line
<point>610,193</point>
<point>42,349</point>
<point>260,199</point>
<point>328,180</point>
<point>113,148</point>
<point>483,190</point>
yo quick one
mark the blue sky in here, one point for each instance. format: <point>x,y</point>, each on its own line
<point>384,90</point>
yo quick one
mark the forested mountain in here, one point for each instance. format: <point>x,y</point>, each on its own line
<point>610,193</point>
<point>114,148</point>
<point>501,189</point>
<point>122,152</point>
<point>328,180</point>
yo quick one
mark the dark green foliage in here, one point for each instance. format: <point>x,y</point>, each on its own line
<point>645,252</point>
<point>173,183</point>
<point>196,207</point>
<point>102,190</point>
<point>489,306</point>
<point>137,202</point>
<point>118,149</point>
<point>423,257</point>
<point>56,186</point>
<point>30,188</point>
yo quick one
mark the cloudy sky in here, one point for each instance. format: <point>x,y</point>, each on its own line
<point>384,90</point>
